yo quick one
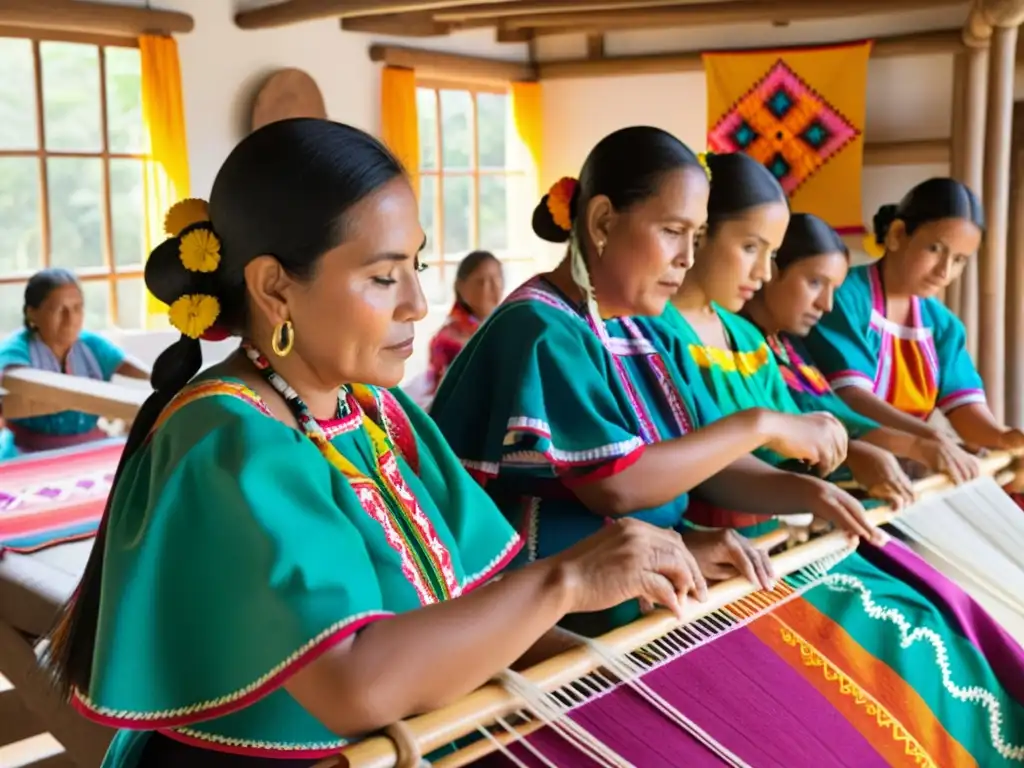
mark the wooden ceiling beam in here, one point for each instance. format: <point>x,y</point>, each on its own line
<point>295,11</point>
<point>447,65</point>
<point>400,24</point>
<point>713,14</point>
<point>491,11</point>
<point>92,18</point>
<point>918,44</point>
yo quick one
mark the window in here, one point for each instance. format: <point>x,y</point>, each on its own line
<point>473,192</point>
<point>72,147</point>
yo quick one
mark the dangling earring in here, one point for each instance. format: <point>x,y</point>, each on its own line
<point>600,249</point>
<point>283,339</point>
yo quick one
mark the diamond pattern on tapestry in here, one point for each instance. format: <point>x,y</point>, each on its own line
<point>784,124</point>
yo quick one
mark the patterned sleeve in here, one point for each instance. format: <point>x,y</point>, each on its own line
<point>107,353</point>
<point>534,393</point>
<point>229,561</point>
<point>839,344</point>
<point>959,382</point>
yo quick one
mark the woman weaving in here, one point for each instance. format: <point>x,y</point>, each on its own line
<point>571,414</point>
<point>890,348</point>
<point>321,519</point>
<point>53,340</point>
<point>809,267</point>
<point>748,216</point>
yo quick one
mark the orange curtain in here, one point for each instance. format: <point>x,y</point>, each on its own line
<point>528,119</point>
<point>399,123</point>
<point>167,172</point>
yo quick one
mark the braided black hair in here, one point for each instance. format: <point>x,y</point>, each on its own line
<point>284,191</point>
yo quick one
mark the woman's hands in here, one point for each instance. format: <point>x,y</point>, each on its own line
<point>630,559</point>
<point>880,473</point>
<point>722,554</point>
<point>942,454</point>
<point>829,502</point>
<point>1011,440</point>
<point>817,438</point>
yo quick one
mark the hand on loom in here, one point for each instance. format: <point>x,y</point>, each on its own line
<point>816,438</point>
<point>1011,440</point>
<point>830,502</point>
<point>724,553</point>
<point>880,473</point>
<point>630,559</point>
<point>943,454</point>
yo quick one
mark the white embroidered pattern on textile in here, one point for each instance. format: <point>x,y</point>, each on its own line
<point>840,582</point>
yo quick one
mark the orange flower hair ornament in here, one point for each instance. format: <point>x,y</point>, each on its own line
<point>872,247</point>
<point>560,201</point>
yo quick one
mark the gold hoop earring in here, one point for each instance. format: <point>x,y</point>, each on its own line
<point>283,339</point>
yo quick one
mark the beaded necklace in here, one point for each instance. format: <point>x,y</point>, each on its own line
<point>426,561</point>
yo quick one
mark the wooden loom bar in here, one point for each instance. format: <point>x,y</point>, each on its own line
<point>90,17</point>
<point>434,64</point>
<point>483,706</point>
<point>32,392</point>
<point>918,44</point>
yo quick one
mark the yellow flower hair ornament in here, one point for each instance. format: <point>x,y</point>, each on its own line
<point>560,202</point>
<point>184,214</point>
<point>194,314</point>
<point>872,247</point>
<point>200,250</point>
<point>702,158</point>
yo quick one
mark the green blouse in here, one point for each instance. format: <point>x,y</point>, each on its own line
<point>235,554</point>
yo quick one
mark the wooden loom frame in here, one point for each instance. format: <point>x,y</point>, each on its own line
<point>483,706</point>
<point>30,392</point>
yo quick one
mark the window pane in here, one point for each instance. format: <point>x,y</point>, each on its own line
<point>71,96</point>
<point>456,128</point>
<point>124,100</point>
<point>126,211</point>
<point>130,298</point>
<point>20,225</point>
<point>491,122</point>
<point>428,213</point>
<point>17,95</point>
<point>12,298</point>
<point>76,196</point>
<point>435,284</point>
<point>493,213</point>
<point>517,273</point>
<point>96,295</point>
<point>455,195</point>
<point>426,112</point>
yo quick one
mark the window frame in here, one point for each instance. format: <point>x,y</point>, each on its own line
<point>436,258</point>
<point>109,273</point>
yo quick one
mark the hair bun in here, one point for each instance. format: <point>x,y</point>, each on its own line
<point>544,224</point>
<point>882,220</point>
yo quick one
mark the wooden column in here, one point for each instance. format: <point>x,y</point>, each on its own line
<point>970,172</point>
<point>951,296</point>
<point>996,190</point>
<point>1015,278</point>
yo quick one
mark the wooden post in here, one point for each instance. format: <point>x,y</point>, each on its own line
<point>957,150</point>
<point>975,98</point>
<point>1015,278</point>
<point>992,270</point>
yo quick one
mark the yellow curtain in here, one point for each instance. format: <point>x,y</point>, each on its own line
<point>527,117</point>
<point>166,172</point>
<point>399,123</point>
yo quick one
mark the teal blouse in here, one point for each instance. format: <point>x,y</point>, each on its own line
<point>915,367</point>
<point>92,357</point>
<point>540,400</point>
<point>236,553</point>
